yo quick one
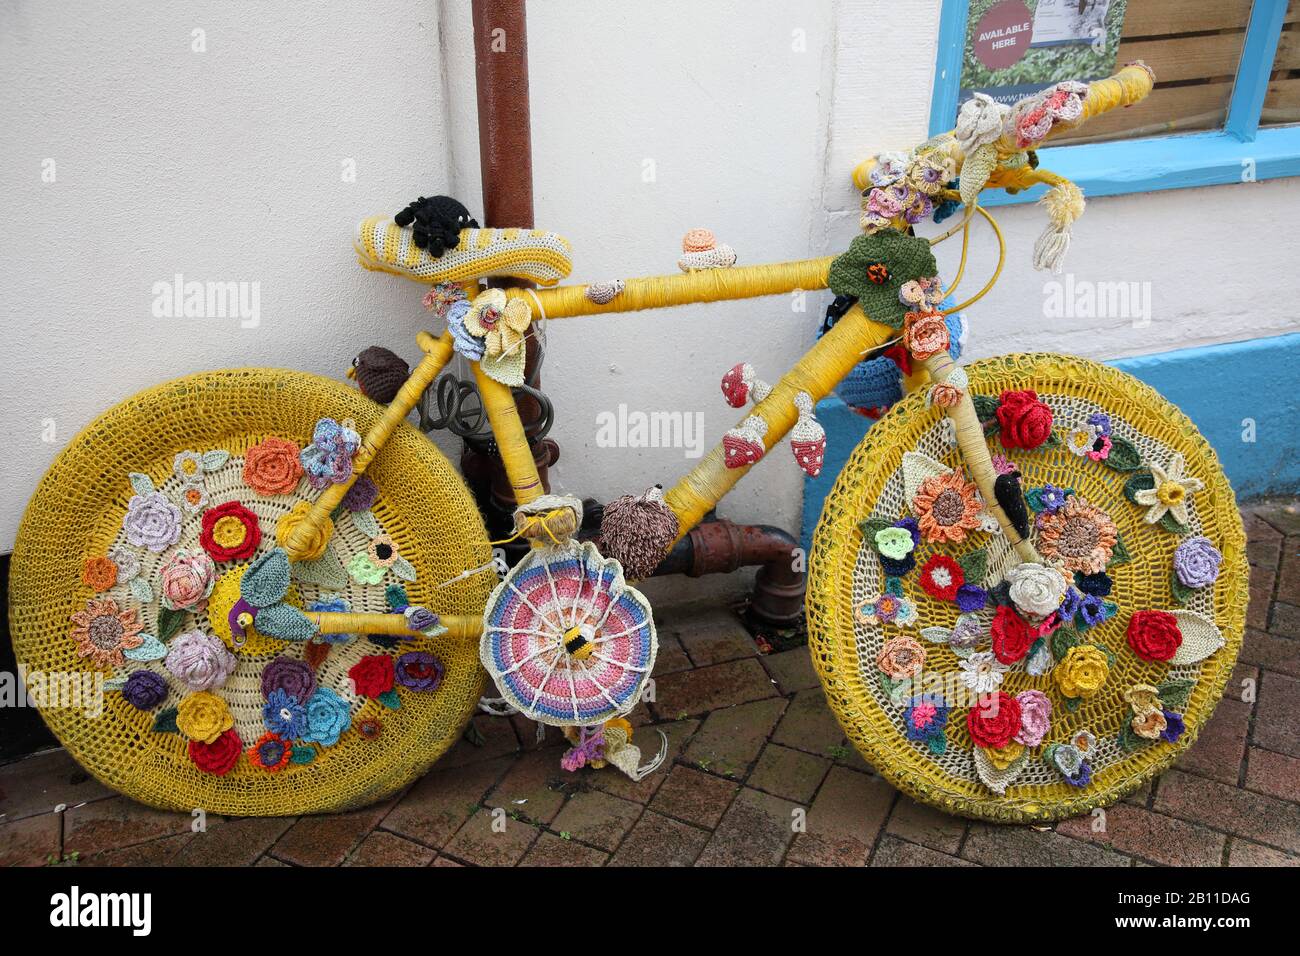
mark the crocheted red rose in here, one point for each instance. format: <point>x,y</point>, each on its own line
<point>230,532</point>
<point>941,577</point>
<point>218,757</point>
<point>1154,635</point>
<point>995,722</point>
<point>1012,637</point>
<point>372,675</point>
<point>1024,421</point>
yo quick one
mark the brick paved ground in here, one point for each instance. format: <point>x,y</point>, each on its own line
<point>751,742</point>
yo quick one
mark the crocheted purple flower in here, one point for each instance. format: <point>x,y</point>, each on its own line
<point>419,670</point>
<point>292,677</point>
<point>362,495</point>
<point>913,526</point>
<point>1081,777</point>
<point>152,521</point>
<point>896,569</point>
<point>1098,584</point>
<point>420,618</point>
<point>1174,727</point>
<point>328,459</point>
<point>925,718</point>
<point>1052,498</point>
<point>971,597</point>
<point>1100,423</point>
<point>1093,610</point>
<point>1069,604</point>
<point>145,689</point>
<point>1196,562</point>
<point>284,715</point>
<point>202,661</point>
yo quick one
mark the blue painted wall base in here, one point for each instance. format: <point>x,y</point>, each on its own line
<point>1222,388</point>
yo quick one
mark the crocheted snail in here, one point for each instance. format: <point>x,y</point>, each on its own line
<point>700,250</point>
<point>436,222</point>
<point>379,373</point>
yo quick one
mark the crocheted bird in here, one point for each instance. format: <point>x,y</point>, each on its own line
<point>436,222</point>
<point>379,373</point>
<point>1006,488</point>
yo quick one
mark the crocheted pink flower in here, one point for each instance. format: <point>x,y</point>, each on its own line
<point>187,579</point>
<point>200,661</point>
<point>1035,717</point>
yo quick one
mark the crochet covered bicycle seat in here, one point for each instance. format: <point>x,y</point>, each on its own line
<point>533,254</point>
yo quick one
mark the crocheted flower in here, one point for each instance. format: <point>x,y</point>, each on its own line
<point>1099,422</point>
<point>284,715</point>
<point>1170,493</point>
<point>1052,498</point>
<point>372,675</point>
<point>294,677</point>
<point>328,459</point>
<point>888,609</point>
<point>362,495</point>
<point>194,498</point>
<point>1174,727</point>
<point>925,719</point>
<point>1082,672</point>
<point>967,631</point>
<point>1098,584</point>
<point>944,395</point>
<point>1033,118</point>
<point>1070,760</point>
<point>1196,562</point>
<point>925,334</point>
<point>270,752</point>
<point>1154,635</point>
<point>995,722</point>
<point>1142,698</point>
<point>328,716</point>
<point>1003,757</point>
<point>152,521</point>
<point>363,568</point>
<point>1080,536</point>
<point>145,689</point>
<point>203,716</point>
<point>981,672</point>
<point>186,580</point>
<point>1036,589</point>
<point>127,562</point>
<point>102,632</point>
<point>442,297</point>
<point>98,573</point>
<point>941,576</point>
<point>979,122</point>
<point>1023,420</point>
<point>200,661</point>
<point>901,657</point>
<point>288,523</point>
<point>1079,441</point>
<point>894,543</point>
<point>230,532</point>
<point>890,167</point>
<point>929,171</point>
<point>1012,637</point>
<point>370,728</point>
<point>188,466</point>
<point>1149,725</point>
<point>465,343</point>
<point>946,507</point>
<point>1100,450</point>
<point>419,670</point>
<point>1093,610</point>
<point>217,756</point>
<point>1035,717</point>
<point>271,467</point>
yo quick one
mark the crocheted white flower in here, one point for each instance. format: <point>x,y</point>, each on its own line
<point>982,672</point>
<point>1036,589</point>
<point>980,122</point>
<point>1171,491</point>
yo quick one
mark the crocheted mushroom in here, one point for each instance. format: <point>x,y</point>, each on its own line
<point>637,531</point>
<point>379,373</point>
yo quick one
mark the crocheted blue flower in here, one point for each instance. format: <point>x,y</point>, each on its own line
<point>1098,584</point>
<point>328,715</point>
<point>470,346</point>
<point>284,715</point>
<point>896,569</point>
<point>328,459</point>
<point>1100,423</point>
<point>1174,727</point>
<point>1070,604</point>
<point>332,604</point>
<point>1093,610</point>
<point>925,718</point>
<point>1052,498</point>
<point>971,597</point>
<point>1081,778</point>
<point>945,209</point>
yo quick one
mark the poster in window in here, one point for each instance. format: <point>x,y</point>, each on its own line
<point>1018,47</point>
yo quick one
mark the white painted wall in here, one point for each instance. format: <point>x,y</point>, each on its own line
<point>227,165</point>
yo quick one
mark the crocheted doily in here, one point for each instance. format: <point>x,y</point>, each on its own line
<point>373,734</point>
<point>941,766</point>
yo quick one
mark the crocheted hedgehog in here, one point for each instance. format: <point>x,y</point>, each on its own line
<point>436,222</point>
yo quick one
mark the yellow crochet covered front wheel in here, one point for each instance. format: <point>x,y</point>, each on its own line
<point>125,599</point>
<point>1039,692</point>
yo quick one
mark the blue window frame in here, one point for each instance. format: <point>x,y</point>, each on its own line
<point>1237,152</point>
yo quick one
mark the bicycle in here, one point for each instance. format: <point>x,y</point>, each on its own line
<point>411,527</point>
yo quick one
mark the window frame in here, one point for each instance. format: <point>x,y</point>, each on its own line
<point>1238,152</point>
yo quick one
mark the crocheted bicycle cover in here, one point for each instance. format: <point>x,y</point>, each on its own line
<point>533,254</point>
<point>1080,706</point>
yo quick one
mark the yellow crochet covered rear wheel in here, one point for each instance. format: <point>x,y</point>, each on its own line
<point>423,513</point>
<point>846,571</point>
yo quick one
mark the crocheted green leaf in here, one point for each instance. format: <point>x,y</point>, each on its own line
<point>169,622</point>
<point>1119,554</point>
<point>117,683</point>
<point>974,565</point>
<point>1174,694</point>
<point>212,460</point>
<point>1128,740</point>
<point>1063,638</point>
<point>1172,524</point>
<point>935,635</point>
<point>1071,703</point>
<point>141,484</point>
<point>165,722</point>
<point>302,754</point>
<point>938,744</point>
<point>390,699</point>
<point>976,170</point>
<point>396,597</point>
<point>1141,481</point>
<point>986,406</point>
<point>906,258</point>
<point>403,568</point>
<point>1181,592</point>
<point>150,649</point>
<point>285,622</point>
<point>367,523</point>
<point>1123,456</point>
<point>325,572</point>
<point>869,527</point>
<point>141,591</point>
<point>267,579</point>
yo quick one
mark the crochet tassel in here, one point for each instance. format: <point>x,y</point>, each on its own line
<point>808,438</point>
<point>1065,204</point>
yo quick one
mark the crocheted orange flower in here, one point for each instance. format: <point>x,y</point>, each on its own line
<point>901,657</point>
<point>946,507</point>
<point>103,632</point>
<point>271,467</point>
<point>925,334</point>
<point>1080,536</point>
<point>99,574</point>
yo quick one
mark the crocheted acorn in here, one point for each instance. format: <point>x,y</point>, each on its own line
<point>876,267</point>
<point>379,373</point>
<point>436,222</point>
<point>701,251</point>
<point>637,530</point>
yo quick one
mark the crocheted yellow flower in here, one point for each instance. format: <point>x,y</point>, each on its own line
<point>1003,757</point>
<point>500,322</point>
<point>1082,672</point>
<point>1150,725</point>
<point>1143,698</point>
<point>203,717</point>
<point>1171,491</point>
